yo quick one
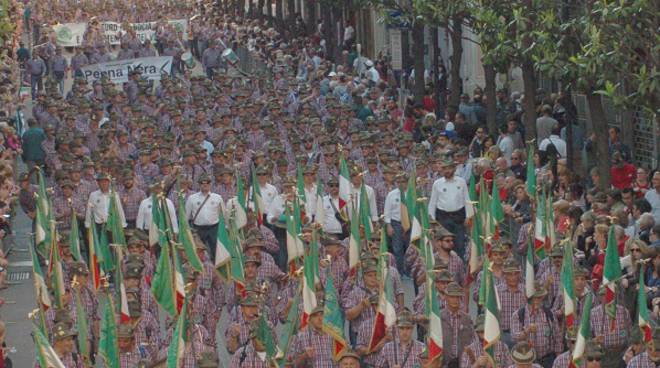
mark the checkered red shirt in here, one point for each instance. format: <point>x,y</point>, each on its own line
<point>548,336</point>
<point>563,360</point>
<point>473,351</point>
<point>456,267</point>
<point>476,284</point>
<point>615,335</point>
<point>510,301</point>
<point>364,332</point>
<point>147,333</point>
<point>194,346</point>
<point>420,301</point>
<point>130,201</point>
<point>129,359</point>
<point>642,360</point>
<point>394,354</point>
<point>554,287</point>
<point>268,269</point>
<point>321,343</point>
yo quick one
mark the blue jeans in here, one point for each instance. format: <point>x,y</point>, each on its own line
<point>399,242</point>
<point>59,77</point>
<point>454,222</point>
<point>36,85</point>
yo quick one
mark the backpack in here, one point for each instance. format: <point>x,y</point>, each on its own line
<point>551,151</point>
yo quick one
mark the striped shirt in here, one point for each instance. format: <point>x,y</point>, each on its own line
<point>615,334</point>
<point>320,342</point>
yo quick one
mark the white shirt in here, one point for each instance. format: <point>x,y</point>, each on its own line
<point>506,146</point>
<point>310,196</point>
<point>268,194</point>
<point>559,143</point>
<point>450,196</point>
<point>210,212</point>
<point>392,209</point>
<point>330,223</point>
<point>276,209</point>
<point>143,219</point>
<point>98,205</point>
<point>653,197</point>
<point>371,197</point>
<point>464,171</point>
<point>373,75</point>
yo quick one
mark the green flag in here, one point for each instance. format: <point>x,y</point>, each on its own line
<point>643,319</point>
<point>116,220</point>
<point>583,335</point>
<point>74,238</point>
<point>46,355</point>
<point>611,274</point>
<point>186,238</point>
<point>108,348</point>
<point>265,334</point>
<point>290,327</point>
<point>492,321</point>
<point>333,318</point>
<point>177,347</point>
<point>162,283</point>
<point>365,213</point>
<point>531,172</point>
<point>83,327</point>
<point>56,272</point>
<point>568,287</point>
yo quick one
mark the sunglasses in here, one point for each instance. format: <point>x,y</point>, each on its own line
<point>636,250</point>
<point>593,359</point>
<point>333,185</point>
<point>262,174</point>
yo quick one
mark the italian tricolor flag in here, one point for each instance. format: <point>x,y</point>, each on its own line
<point>492,318</point>
<point>241,209</point>
<point>412,209</point>
<point>308,292</point>
<point>257,199</point>
<point>583,335</point>
<point>354,244</point>
<point>55,271</point>
<point>333,318</point>
<point>294,244</point>
<point>178,345</point>
<point>643,320</point>
<point>530,289</point>
<point>179,283</point>
<point>46,355</point>
<point>223,264</point>
<point>319,214</point>
<point>344,184</point>
<point>539,226</point>
<point>386,312</point>
<point>40,282</point>
<point>568,289</point>
<point>124,314</point>
<point>611,275</point>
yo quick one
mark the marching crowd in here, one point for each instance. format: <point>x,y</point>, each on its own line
<point>333,140</point>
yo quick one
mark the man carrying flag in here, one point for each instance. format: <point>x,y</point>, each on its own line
<point>403,351</point>
<point>98,204</point>
<point>312,346</point>
<point>475,355</point>
<point>612,333</point>
<point>457,327</point>
<point>60,354</point>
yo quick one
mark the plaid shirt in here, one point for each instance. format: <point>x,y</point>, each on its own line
<point>459,332</point>
<point>420,301</point>
<point>147,333</point>
<point>554,287</point>
<point>355,297</point>
<point>129,359</point>
<point>197,334</point>
<point>226,191</point>
<point>62,209</point>
<point>475,350</point>
<point>256,140</point>
<point>84,189</point>
<point>563,360</point>
<point>615,334</point>
<point>642,360</point>
<point>548,336</point>
<point>510,301</point>
<point>475,291</point>
<point>381,190</point>
<point>247,357</point>
<point>321,343</point>
<point>90,302</point>
<point>456,267</point>
<point>130,201</point>
<point>149,171</point>
<point>394,354</point>
<point>125,152</point>
<point>364,332</point>
<point>268,269</point>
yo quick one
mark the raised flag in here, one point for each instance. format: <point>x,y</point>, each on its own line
<point>496,213</point>
<point>550,235</point>
<point>530,288</point>
<point>403,209</point>
<point>56,272</point>
<point>186,238</point>
<point>83,326</point>
<point>308,290</point>
<point>300,191</point>
<point>319,214</point>
<point>354,244</point>
<point>294,244</point>
<point>290,326</point>
<point>365,213</point>
<point>476,248</point>
<point>74,238</point>
<point>179,283</point>
<point>386,310</point>
<point>483,290</point>
<point>223,250</point>
<point>178,345</point>
<point>108,348</point>
<point>162,283</point>
<point>257,199</point>
<point>539,226</point>
<point>333,318</point>
<point>95,256</point>
<point>611,275</point>
<point>344,184</point>
<point>531,172</point>
<point>568,288</point>
<point>42,229</point>
<point>155,226</point>
<point>241,210</point>
<point>434,340</point>
<point>413,208</point>
<point>583,334</point>
<point>265,335</point>
<point>237,272</point>
<point>643,319</point>
<point>46,355</point>
<point>43,296</point>
<point>124,314</point>
<point>492,318</point>
<point>116,219</point>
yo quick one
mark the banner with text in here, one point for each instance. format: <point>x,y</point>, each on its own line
<point>112,32</point>
<point>147,30</point>
<point>150,67</point>
<point>70,34</point>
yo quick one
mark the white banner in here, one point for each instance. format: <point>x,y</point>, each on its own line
<point>112,32</point>
<point>147,31</point>
<point>70,34</point>
<point>150,67</point>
